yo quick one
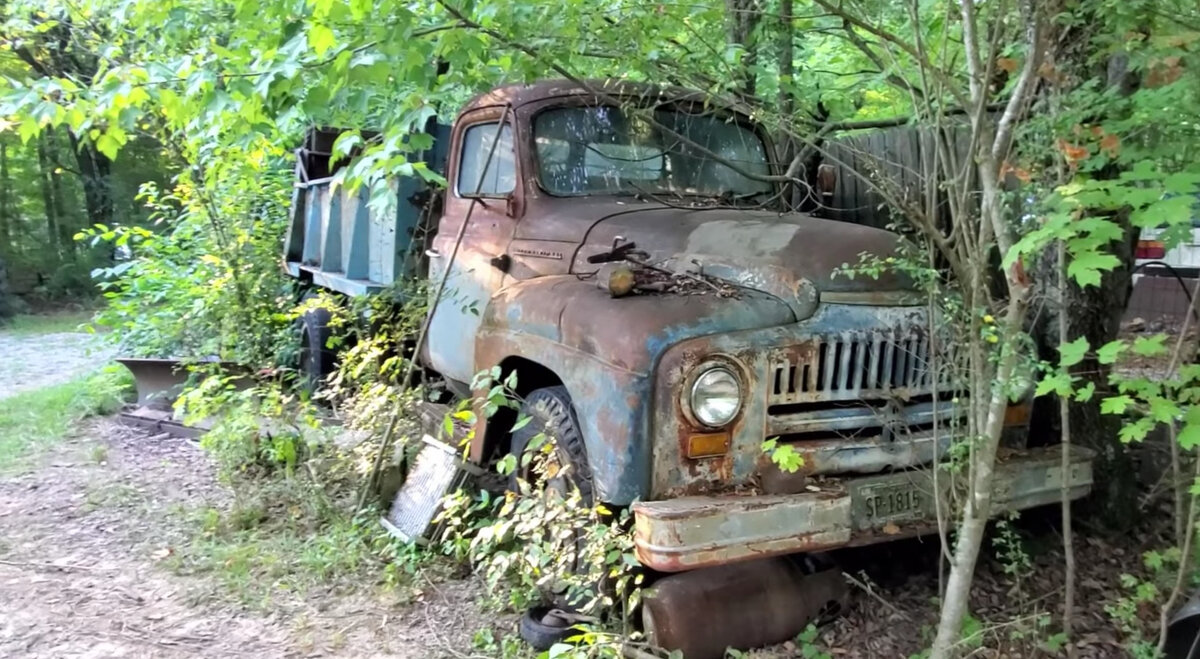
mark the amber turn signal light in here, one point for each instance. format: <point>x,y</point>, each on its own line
<point>707,445</point>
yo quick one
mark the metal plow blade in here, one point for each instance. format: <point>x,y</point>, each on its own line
<point>158,381</point>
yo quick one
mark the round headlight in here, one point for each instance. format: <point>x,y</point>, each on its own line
<point>716,397</point>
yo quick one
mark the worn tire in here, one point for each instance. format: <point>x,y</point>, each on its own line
<point>551,413</point>
<point>539,635</point>
<point>316,358</point>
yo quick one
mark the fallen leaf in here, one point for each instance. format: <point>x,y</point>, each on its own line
<point>1007,64</point>
<point>1111,143</point>
<point>1164,72</point>
<point>1047,71</point>
<point>1021,173</point>
<point>1072,152</point>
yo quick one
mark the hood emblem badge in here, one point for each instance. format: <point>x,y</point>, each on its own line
<point>538,253</point>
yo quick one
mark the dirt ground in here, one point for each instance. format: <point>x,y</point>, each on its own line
<point>86,535</point>
<point>82,537</point>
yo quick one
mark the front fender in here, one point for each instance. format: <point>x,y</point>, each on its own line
<point>605,349</point>
<point>610,403</point>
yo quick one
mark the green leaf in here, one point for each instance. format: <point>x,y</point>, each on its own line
<point>1115,404</point>
<point>786,457</point>
<point>1109,352</point>
<point>521,422</point>
<point>1056,642</point>
<point>1085,267</point>
<point>1164,213</point>
<point>1057,383</point>
<point>1152,346</point>
<point>1136,431</point>
<point>507,464</point>
<point>1072,353</point>
<point>321,38</point>
<point>1085,393</point>
<point>1153,560</point>
<point>1182,183</point>
<point>1189,373</point>
<point>1189,435</point>
<point>108,145</point>
<point>1163,410</point>
<point>27,130</point>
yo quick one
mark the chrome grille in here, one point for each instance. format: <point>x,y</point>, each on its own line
<point>855,365</point>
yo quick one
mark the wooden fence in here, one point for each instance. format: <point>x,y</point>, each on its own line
<point>901,160</point>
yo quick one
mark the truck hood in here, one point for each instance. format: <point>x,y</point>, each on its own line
<point>793,257</point>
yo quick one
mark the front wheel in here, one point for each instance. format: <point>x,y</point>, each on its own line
<point>553,435</point>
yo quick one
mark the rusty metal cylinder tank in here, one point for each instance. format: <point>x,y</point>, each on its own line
<point>743,605</point>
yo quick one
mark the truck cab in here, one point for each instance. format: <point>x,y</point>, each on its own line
<point>738,328</point>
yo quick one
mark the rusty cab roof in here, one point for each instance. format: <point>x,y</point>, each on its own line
<point>520,94</point>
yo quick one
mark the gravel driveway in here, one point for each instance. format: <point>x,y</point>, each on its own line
<point>33,361</point>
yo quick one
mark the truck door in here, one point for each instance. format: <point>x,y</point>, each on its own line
<point>472,278</point>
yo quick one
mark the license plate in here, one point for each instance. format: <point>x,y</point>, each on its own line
<point>878,503</point>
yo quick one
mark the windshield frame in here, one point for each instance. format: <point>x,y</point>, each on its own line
<point>642,103</point>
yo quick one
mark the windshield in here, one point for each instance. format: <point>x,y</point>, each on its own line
<point>608,150</point>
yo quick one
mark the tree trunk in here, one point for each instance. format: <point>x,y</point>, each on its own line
<point>787,104</point>
<point>978,508</point>
<point>6,306</point>
<point>66,228</point>
<point>45,178</point>
<point>6,219</point>
<point>1095,314</point>
<point>741,21</point>
<point>95,171</point>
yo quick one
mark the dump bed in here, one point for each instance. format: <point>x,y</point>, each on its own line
<point>337,240</point>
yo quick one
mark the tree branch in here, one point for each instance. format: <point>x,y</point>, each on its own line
<point>1021,93</point>
<point>899,43</point>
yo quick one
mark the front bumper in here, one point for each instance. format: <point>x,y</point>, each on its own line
<point>685,533</point>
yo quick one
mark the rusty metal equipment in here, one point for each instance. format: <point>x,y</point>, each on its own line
<point>684,533</point>
<point>724,324</point>
<point>158,381</point>
<point>436,472</point>
<point>744,605</point>
<point>340,242</point>
<point>1183,633</point>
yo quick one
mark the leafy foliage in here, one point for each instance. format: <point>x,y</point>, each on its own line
<point>205,270</point>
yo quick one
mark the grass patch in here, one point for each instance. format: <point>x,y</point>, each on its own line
<point>47,323</point>
<point>36,419</point>
<point>283,536</point>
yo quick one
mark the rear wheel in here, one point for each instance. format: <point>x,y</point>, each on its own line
<point>317,359</point>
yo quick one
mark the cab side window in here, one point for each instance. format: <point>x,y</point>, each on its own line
<point>477,176</point>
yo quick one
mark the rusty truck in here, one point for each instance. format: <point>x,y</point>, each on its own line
<point>625,250</point>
